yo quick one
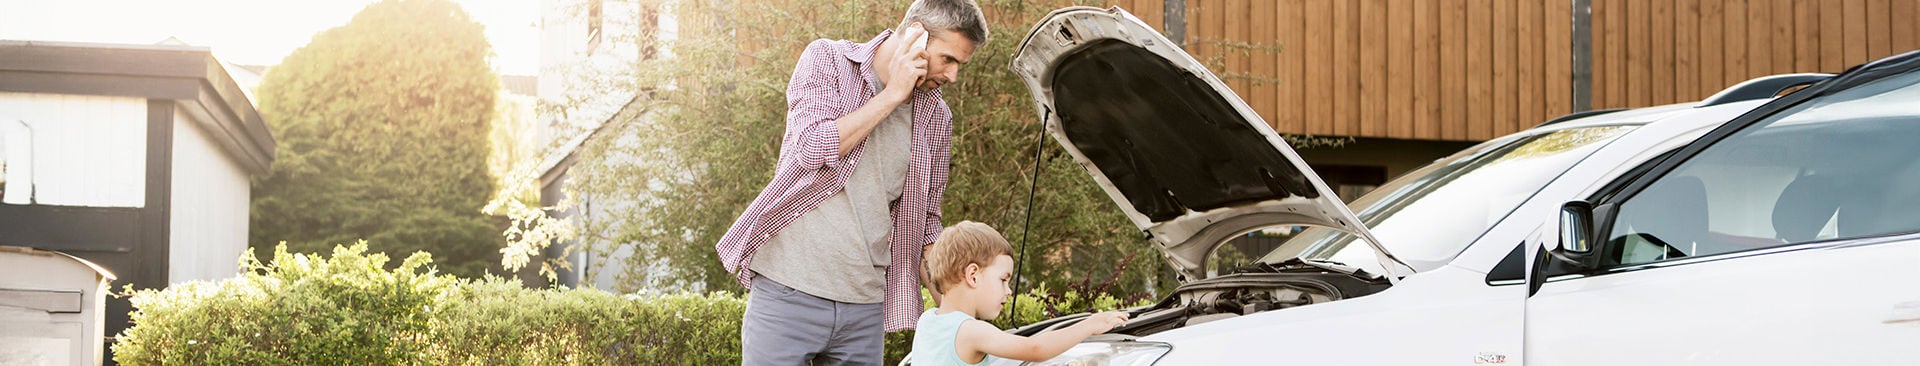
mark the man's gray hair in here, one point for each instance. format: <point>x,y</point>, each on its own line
<point>961,16</point>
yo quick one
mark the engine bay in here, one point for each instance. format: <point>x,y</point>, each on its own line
<point>1265,287</point>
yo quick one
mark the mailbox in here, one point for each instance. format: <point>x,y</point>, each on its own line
<point>52,308</point>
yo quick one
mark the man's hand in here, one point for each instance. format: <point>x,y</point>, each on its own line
<point>902,71</point>
<point>907,66</point>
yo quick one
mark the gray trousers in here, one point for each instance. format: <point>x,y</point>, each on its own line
<point>784,326</point>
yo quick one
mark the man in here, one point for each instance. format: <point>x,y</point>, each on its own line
<point>831,247</point>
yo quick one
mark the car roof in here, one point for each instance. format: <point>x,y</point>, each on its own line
<point>1629,116</point>
<point>1762,88</point>
<point>1640,116</point>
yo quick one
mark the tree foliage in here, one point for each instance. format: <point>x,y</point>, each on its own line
<point>712,134</point>
<point>709,140</point>
<point>382,131</point>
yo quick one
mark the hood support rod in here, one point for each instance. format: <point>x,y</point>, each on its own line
<point>1039,148</point>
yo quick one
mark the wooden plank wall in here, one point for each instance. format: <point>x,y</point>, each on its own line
<point>1431,70</point>
<point>1469,70</point>
<point>1653,52</point>
<point>1153,12</point>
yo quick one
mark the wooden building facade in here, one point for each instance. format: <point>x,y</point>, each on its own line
<point>1413,80</point>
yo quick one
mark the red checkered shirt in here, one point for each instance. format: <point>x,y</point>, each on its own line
<point>832,79</point>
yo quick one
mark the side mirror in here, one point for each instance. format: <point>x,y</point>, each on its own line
<point>1576,227</point>
<point>1574,252</point>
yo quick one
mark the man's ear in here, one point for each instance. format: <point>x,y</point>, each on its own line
<point>973,275</point>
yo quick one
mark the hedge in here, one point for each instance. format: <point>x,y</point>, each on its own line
<point>350,309</point>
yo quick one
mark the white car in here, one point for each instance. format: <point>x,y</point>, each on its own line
<point>1785,235</point>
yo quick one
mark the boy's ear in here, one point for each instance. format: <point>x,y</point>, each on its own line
<point>973,275</point>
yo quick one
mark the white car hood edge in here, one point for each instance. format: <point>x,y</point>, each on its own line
<point>1189,163</point>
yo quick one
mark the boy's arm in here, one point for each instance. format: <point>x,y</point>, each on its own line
<point>977,337</point>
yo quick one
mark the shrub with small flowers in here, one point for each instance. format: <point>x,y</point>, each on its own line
<point>348,308</point>
<point>298,309</point>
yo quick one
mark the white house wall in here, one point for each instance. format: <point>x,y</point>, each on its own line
<point>590,81</point>
<point>208,229</point>
<point>87,150</point>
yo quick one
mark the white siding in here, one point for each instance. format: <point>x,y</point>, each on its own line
<point>87,150</point>
<point>210,202</point>
<point>16,161</point>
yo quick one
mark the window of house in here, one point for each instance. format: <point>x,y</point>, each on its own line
<point>3,163</point>
<point>594,21</point>
<point>16,158</point>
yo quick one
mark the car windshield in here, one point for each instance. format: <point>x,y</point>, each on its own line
<point>1429,215</point>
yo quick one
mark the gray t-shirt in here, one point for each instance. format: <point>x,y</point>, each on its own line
<point>839,251</point>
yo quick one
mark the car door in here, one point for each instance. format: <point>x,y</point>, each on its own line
<point>1790,236</point>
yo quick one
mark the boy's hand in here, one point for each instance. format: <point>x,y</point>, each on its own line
<point>1106,321</point>
<point>977,337</point>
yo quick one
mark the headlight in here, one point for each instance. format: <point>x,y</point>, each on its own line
<point>1103,354</point>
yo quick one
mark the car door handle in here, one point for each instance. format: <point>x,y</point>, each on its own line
<point>1905,312</point>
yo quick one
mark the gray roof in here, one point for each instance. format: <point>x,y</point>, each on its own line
<point>188,75</point>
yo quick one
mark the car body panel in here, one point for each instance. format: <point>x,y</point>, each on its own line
<point>1844,301</point>
<point>1774,307</point>
<point>1450,313</point>
<point>1442,316</point>
<point>1847,299</point>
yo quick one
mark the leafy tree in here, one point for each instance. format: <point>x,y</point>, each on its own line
<point>382,129</point>
<point>710,138</point>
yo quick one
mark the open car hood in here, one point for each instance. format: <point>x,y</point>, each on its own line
<point>1190,164</point>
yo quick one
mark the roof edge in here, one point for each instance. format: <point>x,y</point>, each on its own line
<point>188,75</point>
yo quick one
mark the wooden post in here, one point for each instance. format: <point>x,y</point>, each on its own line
<point>1582,56</point>
<point>1176,22</point>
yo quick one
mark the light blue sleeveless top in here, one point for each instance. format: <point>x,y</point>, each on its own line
<point>933,339</point>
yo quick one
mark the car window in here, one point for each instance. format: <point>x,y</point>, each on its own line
<point>1428,216</point>
<point>1835,167</point>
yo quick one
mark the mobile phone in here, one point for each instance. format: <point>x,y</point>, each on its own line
<point>921,42</point>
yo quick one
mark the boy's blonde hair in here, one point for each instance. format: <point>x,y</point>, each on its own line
<point>964,243</point>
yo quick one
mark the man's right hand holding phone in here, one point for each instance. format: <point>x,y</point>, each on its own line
<point>909,64</point>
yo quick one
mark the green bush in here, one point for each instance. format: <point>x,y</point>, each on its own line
<point>586,326</point>
<point>347,309</point>
<point>299,309</point>
<point>502,323</point>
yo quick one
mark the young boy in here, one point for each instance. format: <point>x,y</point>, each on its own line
<point>969,265</point>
